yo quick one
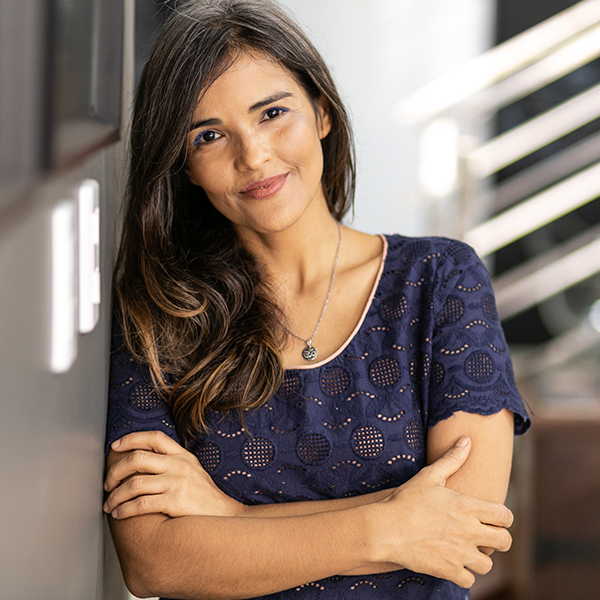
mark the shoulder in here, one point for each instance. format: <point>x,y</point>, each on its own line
<point>426,249</point>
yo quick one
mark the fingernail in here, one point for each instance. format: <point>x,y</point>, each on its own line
<point>115,444</point>
<point>463,441</point>
<point>113,514</point>
<point>105,507</point>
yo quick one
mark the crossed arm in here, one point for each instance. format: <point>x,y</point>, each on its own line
<point>178,535</point>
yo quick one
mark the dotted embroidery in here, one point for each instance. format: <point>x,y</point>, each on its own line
<point>415,284</point>
<point>453,352</point>
<point>354,463</point>
<point>361,357</point>
<point>284,431</point>
<point>456,396</point>
<point>374,486</point>
<point>346,422</point>
<point>478,322</point>
<point>367,394</point>
<point>237,472</point>
<point>125,383</point>
<point>312,584</point>
<point>230,435</point>
<point>498,350</point>
<point>391,419</point>
<point>411,580</point>
<point>401,456</point>
<point>299,404</point>
<point>402,348</point>
<point>430,256</point>
<point>449,277</point>
<point>363,582</point>
<point>209,455</point>
<point>466,289</point>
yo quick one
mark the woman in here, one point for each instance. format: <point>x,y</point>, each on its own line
<point>279,382</point>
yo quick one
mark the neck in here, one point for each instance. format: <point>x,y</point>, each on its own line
<point>299,257</point>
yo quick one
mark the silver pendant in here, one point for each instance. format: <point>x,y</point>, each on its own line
<point>309,353</point>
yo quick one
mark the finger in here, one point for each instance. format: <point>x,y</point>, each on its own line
<point>138,461</point>
<point>464,578</point>
<point>156,441</point>
<point>495,514</point>
<point>143,505</point>
<point>134,487</point>
<point>445,466</point>
<point>499,539</point>
<point>480,563</point>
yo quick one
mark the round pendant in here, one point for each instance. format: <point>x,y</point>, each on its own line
<point>309,353</point>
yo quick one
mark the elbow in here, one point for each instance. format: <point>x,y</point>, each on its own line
<point>142,580</point>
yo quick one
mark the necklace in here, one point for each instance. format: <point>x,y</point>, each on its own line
<point>310,352</point>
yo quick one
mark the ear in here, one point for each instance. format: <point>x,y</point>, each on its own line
<point>323,117</point>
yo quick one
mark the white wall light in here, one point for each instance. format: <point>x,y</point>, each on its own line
<point>64,287</point>
<point>89,255</point>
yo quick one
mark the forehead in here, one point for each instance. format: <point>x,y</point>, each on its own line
<point>250,78</point>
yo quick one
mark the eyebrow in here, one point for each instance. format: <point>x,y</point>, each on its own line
<point>256,106</point>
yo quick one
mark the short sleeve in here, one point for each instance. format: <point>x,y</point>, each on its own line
<point>471,366</point>
<point>133,403</point>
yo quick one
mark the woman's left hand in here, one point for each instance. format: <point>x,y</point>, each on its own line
<point>151,473</point>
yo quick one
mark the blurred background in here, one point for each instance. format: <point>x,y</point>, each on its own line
<point>476,119</point>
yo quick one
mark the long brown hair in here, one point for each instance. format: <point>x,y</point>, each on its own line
<point>191,301</point>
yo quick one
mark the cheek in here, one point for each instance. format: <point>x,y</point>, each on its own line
<point>301,144</point>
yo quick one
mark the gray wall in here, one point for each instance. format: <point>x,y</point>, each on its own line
<point>52,530</point>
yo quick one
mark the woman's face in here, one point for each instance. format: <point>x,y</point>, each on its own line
<point>255,146</point>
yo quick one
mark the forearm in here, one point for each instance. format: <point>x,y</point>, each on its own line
<point>297,509</point>
<point>221,557</point>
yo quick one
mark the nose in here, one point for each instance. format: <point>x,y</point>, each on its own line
<point>252,152</point>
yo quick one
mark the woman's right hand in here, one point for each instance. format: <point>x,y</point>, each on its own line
<point>430,529</point>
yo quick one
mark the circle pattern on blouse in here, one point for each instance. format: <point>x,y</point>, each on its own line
<point>452,311</point>
<point>480,366</point>
<point>385,372</point>
<point>413,433</point>
<point>209,455</point>
<point>313,448</point>
<point>394,308</point>
<point>258,453</point>
<point>335,380</point>
<point>290,387</point>
<point>489,308</point>
<point>144,397</point>
<point>368,442</point>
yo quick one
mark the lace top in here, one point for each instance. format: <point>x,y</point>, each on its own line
<point>430,344</point>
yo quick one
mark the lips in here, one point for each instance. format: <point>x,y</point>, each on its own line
<point>265,188</point>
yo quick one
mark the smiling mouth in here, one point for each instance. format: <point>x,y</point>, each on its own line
<point>265,188</point>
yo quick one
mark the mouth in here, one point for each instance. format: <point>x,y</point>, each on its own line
<point>265,188</point>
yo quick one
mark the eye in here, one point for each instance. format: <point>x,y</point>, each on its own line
<point>273,113</point>
<point>206,137</point>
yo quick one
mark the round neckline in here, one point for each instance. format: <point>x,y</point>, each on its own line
<point>361,321</point>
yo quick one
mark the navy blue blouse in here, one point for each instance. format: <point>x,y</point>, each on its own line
<point>429,344</point>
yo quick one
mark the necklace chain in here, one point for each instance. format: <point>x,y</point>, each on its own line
<point>310,352</point>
